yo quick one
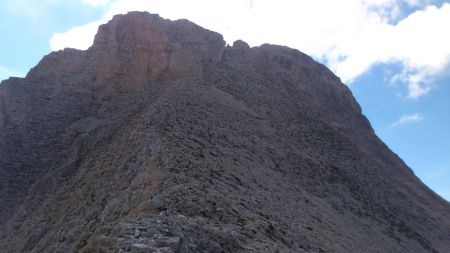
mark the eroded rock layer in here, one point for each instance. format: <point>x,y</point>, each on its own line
<point>161,138</point>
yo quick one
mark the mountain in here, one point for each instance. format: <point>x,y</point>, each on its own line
<point>162,138</point>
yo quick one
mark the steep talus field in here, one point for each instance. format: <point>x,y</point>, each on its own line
<point>161,138</point>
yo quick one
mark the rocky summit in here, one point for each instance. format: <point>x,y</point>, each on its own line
<point>162,138</point>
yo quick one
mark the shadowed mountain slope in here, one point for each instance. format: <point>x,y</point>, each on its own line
<point>161,138</point>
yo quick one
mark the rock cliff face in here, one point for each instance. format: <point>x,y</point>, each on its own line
<point>161,138</point>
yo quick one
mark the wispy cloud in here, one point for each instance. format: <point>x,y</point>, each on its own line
<point>30,9</point>
<point>95,2</point>
<point>445,195</point>
<point>437,177</point>
<point>6,73</point>
<point>407,119</point>
<point>437,173</point>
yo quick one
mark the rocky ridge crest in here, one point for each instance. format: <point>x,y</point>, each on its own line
<point>161,138</point>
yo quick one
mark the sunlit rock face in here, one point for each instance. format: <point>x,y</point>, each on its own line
<point>161,138</point>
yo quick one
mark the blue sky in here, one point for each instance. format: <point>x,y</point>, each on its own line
<point>394,54</point>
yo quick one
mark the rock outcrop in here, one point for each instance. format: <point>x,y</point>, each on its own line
<point>161,138</point>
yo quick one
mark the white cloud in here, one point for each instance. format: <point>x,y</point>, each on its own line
<point>407,119</point>
<point>80,37</point>
<point>350,36</point>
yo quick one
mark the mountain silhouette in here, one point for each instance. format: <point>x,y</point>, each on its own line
<point>162,138</point>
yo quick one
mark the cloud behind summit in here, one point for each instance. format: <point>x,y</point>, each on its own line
<point>349,36</point>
